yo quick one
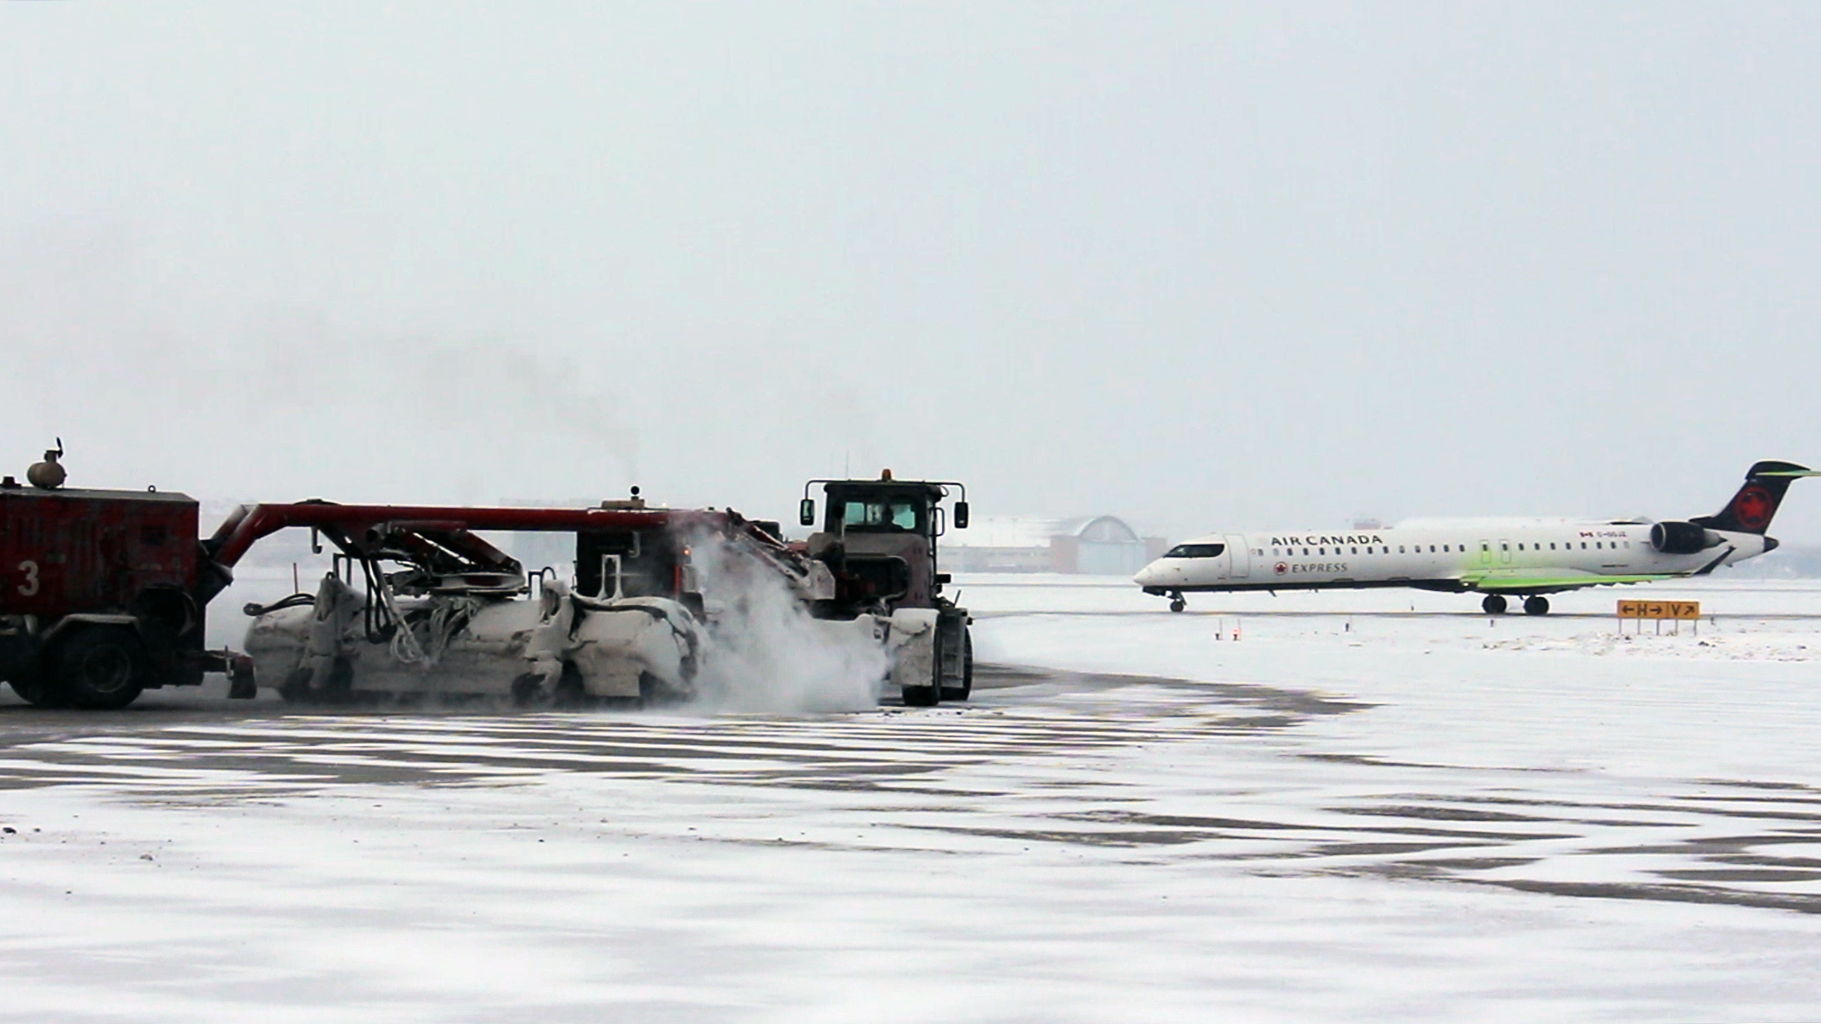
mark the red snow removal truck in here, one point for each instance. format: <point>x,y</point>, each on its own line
<point>101,593</point>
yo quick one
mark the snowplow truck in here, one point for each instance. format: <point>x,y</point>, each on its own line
<point>878,543</point>
<point>102,593</point>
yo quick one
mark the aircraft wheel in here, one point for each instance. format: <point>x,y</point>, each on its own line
<point>1536,604</point>
<point>1178,604</point>
<point>1494,604</point>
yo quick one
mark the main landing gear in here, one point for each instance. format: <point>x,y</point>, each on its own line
<point>1177,603</point>
<point>1535,604</point>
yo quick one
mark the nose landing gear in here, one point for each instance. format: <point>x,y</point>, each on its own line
<point>1177,603</point>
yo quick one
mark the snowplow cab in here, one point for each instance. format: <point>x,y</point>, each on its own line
<point>878,538</point>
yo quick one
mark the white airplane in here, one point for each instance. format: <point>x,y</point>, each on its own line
<point>1497,557</point>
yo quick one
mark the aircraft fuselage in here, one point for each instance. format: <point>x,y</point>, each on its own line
<point>1502,557</point>
<point>1512,557</point>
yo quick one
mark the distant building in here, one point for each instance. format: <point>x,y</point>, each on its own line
<point>1101,545</point>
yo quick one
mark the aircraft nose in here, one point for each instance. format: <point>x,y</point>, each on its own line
<point>1146,576</point>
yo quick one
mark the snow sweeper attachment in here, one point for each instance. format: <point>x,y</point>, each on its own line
<point>419,606</point>
<point>878,543</point>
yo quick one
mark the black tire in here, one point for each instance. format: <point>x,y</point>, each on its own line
<point>572,693</point>
<point>1494,604</point>
<point>300,686</point>
<point>101,668</point>
<point>655,693</point>
<point>569,693</point>
<point>930,694</point>
<point>296,687</point>
<point>1536,604</point>
<point>34,690</point>
<point>1178,605</point>
<point>528,691</point>
<point>340,687</point>
<point>966,689</point>
<point>921,696</point>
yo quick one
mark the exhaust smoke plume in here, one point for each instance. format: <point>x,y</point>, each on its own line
<point>767,654</point>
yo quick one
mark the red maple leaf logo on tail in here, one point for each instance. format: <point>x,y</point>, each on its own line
<point>1753,508</point>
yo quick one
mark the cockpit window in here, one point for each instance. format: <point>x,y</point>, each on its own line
<point>880,515</point>
<point>1195,551</point>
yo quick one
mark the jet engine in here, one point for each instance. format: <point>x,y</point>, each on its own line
<point>1682,538</point>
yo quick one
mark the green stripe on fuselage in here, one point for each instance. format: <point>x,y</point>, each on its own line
<point>1492,582</point>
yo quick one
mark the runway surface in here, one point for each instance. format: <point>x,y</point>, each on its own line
<point>1379,818</point>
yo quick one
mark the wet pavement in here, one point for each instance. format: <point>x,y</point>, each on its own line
<point>1142,769</point>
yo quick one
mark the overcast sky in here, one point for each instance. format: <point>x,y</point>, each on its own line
<point>1201,266</point>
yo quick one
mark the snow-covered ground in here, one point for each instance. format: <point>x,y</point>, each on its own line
<point>1372,805</point>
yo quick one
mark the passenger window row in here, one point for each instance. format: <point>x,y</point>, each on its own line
<point>1433,549</point>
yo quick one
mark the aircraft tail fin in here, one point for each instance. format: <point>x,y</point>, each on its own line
<point>1751,510</point>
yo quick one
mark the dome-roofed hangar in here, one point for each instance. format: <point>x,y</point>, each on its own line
<point>1100,545</point>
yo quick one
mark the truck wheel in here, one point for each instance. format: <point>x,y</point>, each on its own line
<point>921,696</point>
<point>569,693</point>
<point>528,691</point>
<point>296,687</point>
<point>966,689</point>
<point>929,695</point>
<point>340,687</point>
<point>101,668</point>
<point>655,692</point>
<point>39,694</point>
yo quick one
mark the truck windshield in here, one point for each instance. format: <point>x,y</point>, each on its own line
<point>880,515</point>
<point>1195,551</point>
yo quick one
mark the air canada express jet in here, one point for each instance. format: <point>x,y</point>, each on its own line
<point>1497,557</point>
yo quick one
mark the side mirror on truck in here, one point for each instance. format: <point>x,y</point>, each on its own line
<point>960,515</point>
<point>806,512</point>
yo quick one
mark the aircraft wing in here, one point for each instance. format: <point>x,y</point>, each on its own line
<point>1548,582</point>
